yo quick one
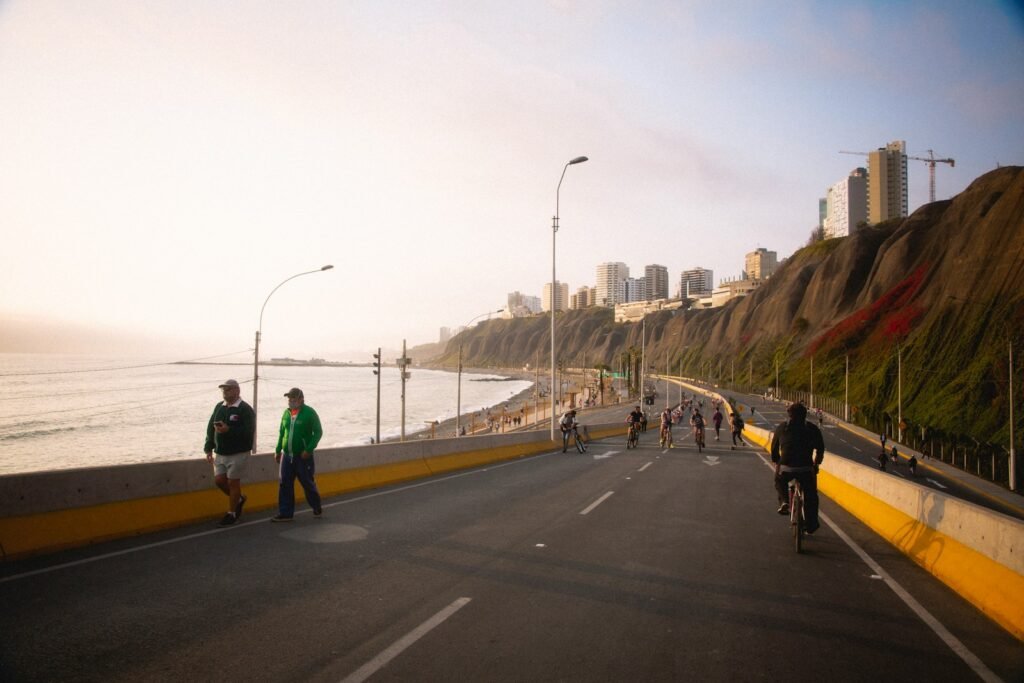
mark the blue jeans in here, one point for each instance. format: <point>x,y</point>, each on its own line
<point>292,467</point>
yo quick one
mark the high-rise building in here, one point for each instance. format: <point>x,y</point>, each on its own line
<point>761,264</point>
<point>655,282</point>
<point>847,204</point>
<point>610,283</point>
<point>634,289</point>
<point>887,182</point>
<point>581,299</point>
<point>561,296</point>
<point>822,211</point>
<point>696,282</point>
<point>446,335</point>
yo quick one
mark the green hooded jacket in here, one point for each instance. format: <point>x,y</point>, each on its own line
<point>307,432</point>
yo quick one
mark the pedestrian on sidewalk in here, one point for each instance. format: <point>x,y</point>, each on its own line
<point>299,435</point>
<point>229,434</point>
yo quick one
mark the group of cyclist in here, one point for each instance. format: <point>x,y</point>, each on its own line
<point>637,421</point>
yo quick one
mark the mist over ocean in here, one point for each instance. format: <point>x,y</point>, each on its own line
<point>65,411</point>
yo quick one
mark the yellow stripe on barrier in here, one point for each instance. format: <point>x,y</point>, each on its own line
<point>993,588</point>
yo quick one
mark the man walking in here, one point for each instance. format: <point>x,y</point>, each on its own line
<point>229,433</point>
<point>299,435</point>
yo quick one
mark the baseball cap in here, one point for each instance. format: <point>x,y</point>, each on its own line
<point>229,383</point>
<point>294,392</point>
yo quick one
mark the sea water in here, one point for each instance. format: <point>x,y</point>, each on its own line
<point>61,411</point>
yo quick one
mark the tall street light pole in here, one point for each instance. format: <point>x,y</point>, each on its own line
<point>256,355</point>
<point>554,231</point>
<point>458,400</point>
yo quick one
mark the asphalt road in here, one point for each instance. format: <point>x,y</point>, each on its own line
<point>609,566</point>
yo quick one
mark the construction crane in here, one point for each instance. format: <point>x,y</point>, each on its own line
<point>930,160</point>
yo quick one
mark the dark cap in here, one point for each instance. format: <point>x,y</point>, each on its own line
<point>294,392</point>
<point>229,383</point>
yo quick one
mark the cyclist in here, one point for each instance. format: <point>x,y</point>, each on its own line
<point>568,426</point>
<point>698,428</point>
<point>821,418</point>
<point>666,426</point>
<point>634,421</point>
<point>717,420</point>
<point>882,458</point>
<point>912,465</point>
<point>895,456</point>
<point>797,451</point>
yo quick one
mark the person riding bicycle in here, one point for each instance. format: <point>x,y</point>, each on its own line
<point>797,451</point>
<point>634,421</point>
<point>912,465</point>
<point>666,423</point>
<point>568,425</point>
<point>697,421</point>
<point>894,456</point>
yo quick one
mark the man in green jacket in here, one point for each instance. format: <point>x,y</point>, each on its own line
<point>299,435</point>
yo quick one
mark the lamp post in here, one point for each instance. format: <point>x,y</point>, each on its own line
<point>256,355</point>
<point>554,231</point>
<point>458,400</point>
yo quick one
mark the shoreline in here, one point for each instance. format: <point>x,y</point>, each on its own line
<point>445,429</point>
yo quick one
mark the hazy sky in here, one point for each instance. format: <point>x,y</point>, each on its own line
<point>163,165</point>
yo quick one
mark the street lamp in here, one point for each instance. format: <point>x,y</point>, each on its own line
<point>458,400</point>
<point>256,356</point>
<point>554,231</point>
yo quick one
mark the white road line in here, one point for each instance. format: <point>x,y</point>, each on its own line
<point>951,641</point>
<point>645,467</point>
<point>596,503</point>
<point>403,643</point>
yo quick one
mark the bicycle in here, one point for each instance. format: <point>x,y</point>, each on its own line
<point>666,437</point>
<point>632,437</point>
<point>698,437</point>
<point>580,446</point>
<point>796,514</point>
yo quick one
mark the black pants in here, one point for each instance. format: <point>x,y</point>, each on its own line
<point>809,483</point>
<point>736,437</point>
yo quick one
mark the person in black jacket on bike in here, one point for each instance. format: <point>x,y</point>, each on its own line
<point>797,450</point>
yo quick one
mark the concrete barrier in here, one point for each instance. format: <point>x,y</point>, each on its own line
<point>47,511</point>
<point>977,552</point>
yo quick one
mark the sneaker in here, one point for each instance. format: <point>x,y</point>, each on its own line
<point>227,520</point>
<point>811,529</point>
<point>280,518</point>
<point>238,508</point>
<point>318,513</point>
<point>784,509</point>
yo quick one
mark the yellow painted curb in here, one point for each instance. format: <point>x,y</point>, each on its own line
<point>994,589</point>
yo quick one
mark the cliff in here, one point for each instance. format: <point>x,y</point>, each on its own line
<point>945,285</point>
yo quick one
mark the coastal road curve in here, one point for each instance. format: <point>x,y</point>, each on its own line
<point>612,565</point>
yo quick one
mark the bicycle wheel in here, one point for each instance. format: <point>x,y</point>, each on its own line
<point>796,512</point>
<point>580,446</point>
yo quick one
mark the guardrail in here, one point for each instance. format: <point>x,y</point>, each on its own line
<point>47,511</point>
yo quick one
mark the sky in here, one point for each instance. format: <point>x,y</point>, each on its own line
<point>165,165</point>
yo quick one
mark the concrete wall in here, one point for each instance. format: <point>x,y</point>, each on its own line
<point>47,511</point>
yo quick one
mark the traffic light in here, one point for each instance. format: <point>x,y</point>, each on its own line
<point>376,363</point>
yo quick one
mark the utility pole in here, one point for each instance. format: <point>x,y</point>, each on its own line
<point>812,382</point>
<point>899,392</point>
<point>403,363</point>
<point>376,371</point>
<point>1013,460</point>
<point>846,411</point>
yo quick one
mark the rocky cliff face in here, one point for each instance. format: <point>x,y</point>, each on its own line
<point>946,285</point>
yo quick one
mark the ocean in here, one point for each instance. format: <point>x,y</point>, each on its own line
<point>64,411</point>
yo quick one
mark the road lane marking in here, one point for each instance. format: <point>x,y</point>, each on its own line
<point>403,643</point>
<point>596,503</point>
<point>645,467</point>
<point>937,483</point>
<point>951,641</point>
